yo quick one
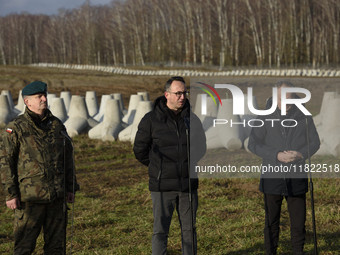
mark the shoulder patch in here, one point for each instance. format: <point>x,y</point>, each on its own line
<point>9,130</point>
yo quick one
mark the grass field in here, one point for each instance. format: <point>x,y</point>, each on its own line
<point>113,209</point>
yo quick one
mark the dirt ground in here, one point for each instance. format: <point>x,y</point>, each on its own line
<point>14,78</point>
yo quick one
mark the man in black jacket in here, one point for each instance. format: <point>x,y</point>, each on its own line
<point>161,144</point>
<point>284,150</point>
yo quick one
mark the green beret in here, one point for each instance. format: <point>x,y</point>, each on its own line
<point>34,88</point>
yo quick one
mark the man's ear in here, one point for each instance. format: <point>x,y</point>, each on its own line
<point>25,101</point>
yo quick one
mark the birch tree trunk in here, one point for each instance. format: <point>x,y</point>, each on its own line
<point>273,12</point>
<point>200,25</point>
<point>257,46</point>
<point>308,30</point>
<point>2,51</point>
<point>118,11</point>
<point>332,9</point>
<point>221,14</point>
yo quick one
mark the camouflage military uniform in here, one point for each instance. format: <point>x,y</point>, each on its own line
<point>32,169</point>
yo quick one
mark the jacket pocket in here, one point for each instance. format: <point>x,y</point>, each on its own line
<point>31,157</point>
<point>30,169</point>
<point>19,213</point>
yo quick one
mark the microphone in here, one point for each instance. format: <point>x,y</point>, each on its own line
<point>186,122</point>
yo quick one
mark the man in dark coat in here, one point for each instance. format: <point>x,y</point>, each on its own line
<point>161,144</point>
<point>284,150</point>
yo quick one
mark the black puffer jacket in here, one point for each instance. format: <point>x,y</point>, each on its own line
<point>268,141</point>
<point>161,144</point>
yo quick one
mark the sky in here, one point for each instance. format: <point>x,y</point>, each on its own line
<point>48,7</point>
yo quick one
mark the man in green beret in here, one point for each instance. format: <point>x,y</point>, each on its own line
<point>35,155</point>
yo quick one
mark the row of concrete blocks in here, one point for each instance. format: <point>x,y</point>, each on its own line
<point>111,121</point>
<point>252,72</point>
<point>236,136</point>
<point>230,131</point>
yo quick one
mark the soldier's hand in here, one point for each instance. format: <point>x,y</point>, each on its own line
<point>70,197</point>
<point>13,204</point>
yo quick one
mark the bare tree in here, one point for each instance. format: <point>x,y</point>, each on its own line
<point>134,10</point>
<point>292,30</point>
<point>256,37</point>
<point>273,7</point>
<point>118,21</point>
<point>308,28</point>
<point>332,10</point>
<point>198,12</point>
<point>235,34</point>
<point>38,25</point>
<point>219,32</point>
<point>2,49</point>
<point>220,8</point>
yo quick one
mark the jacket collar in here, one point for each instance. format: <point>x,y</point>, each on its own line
<point>35,117</point>
<point>159,105</point>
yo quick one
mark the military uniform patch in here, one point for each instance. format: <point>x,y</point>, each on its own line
<point>9,130</point>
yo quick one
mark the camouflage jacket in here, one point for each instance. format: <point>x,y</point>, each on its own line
<point>32,158</point>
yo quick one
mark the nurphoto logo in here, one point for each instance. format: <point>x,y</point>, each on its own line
<point>238,99</point>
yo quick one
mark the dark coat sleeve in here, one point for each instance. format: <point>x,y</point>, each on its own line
<point>314,140</point>
<point>9,151</point>
<point>198,144</point>
<point>71,180</point>
<point>143,141</point>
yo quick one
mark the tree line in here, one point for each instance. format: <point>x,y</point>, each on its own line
<point>262,33</point>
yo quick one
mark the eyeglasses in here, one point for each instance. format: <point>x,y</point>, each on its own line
<point>179,93</point>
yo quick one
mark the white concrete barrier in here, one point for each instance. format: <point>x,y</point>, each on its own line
<point>111,125</point>
<point>134,100</point>
<point>79,120</point>
<point>145,95</point>
<point>13,111</point>
<point>9,97</point>
<point>245,144</point>
<point>119,97</point>
<point>331,127</point>
<point>5,110</point>
<point>91,103</point>
<point>143,108</point>
<point>50,97</point>
<point>21,105</point>
<point>100,115</point>
<point>248,115</point>
<point>129,133</point>
<point>224,134</point>
<point>66,96</point>
<point>266,72</point>
<point>78,108</point>
<point>58,109</point>
<point>328,125</point>
<point>211,114</point>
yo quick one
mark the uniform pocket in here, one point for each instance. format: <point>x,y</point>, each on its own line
<point>31,157</point>
<point>32,169</point>
<point>19,213</point>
